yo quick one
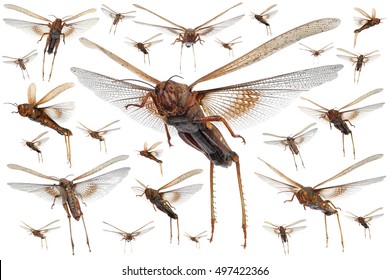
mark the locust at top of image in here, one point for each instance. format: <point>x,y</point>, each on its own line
<point>364,23</point>
<point>264,16</point>
<point>191,113</point>
<point>54,30</point>
<point>69,192</point>
<point>317,198</point>
<point>116,16</point>
<point>190,36</point>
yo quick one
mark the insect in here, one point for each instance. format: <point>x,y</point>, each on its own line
<point>46,116</point>
<point>196,238</point>
<point>70,193</point>
<point>163,199</point>
<point>129,236</point>
<point>284,232</point>
<point>190,36</point>
<point>365,220</point>
<point>145,45</point>
<point>98,134</point>
<point>115,16</point>
<point>319,198</point>
<point>152,154</point>
<point>21,62</point>
<point>365,23</point>
<point>36,143</point>
<point>192,112</point>
<point>229,45</point>
<point>52,29</point>
<point>340,118</point>
<point>41,231</point>
<point>316,53</point>
<point>293,142</point>
<point>359,60</point>
<point>264,16</point>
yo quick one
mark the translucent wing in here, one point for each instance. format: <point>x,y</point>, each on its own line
<point>39,136</point>
<point>44,227</point>
<point>217,27</point>
<point>305,137</point>
<point>364,13</point>
<point>174,30</point>
<point>33,28</point>
<point>120,93</point>
<point>281,186</point>
<point>249,103</point>
<point>60,111</point>
<point>54,93</point>
<point>373,211</point>
<point>358,112</point>
<point>97,187</point>
<point>361,98</point>
<point>46,191</point>
<point>74,29</point>
<point>180,195</point>
<point>347,189</point>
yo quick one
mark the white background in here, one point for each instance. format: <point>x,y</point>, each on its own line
<point>21,254</point>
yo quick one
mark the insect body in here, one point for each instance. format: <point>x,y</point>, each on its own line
<point>40,233</point>
<point>365,220</point>
<point>99,134</point>
<point>145,45</point>
<point>359,60</point>
<point>192,112</point>
<point>129,236</point>
<point>365,23</point>
<point>115,16</point>
<point>264,16</point>
<point>284,231</point>
<point>196,238</point>
<point>21,62</point>
<point>229,45</point>
<point>36,143</point>
<point>319,198</point>
<point>46,116</point>
<point>70,193</point>
<point>292,142</point>
<point>54,30</point>
<point>163,199</point>
<point>340,118</point>
<point>152,154</point>
<point>316,52</point>
<point>190,36</point>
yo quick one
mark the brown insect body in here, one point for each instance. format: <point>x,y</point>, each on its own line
<point>196,238</point>
<point>70,191</point>
<point>35,143</point>
<point>152,154</point>
<point>115,16</point>
<point>145,45</point>
<point>21,62</point>
<point>365,220</point>
<point>40,233</point>
<point>52,29</point>
<point>367,22</point>
<point>318,198</point>
<point>264,16</point>
<point>191,112</point>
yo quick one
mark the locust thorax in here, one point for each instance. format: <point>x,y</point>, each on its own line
<point>306,195</point>
<point>25,110</point>
<point>172,98</point>
<point>189,37</point>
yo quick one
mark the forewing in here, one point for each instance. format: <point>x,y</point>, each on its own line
<point>373,211</point>
<point>120,93</point>
<point>31,94</point>
<point>281,186</point>
<point>60,111</point>
<point>26,12</point>
<point>97,187</point>
<point>361,98</point>
<point>79,15</point>
<point>45,191</point>
<point>247,104</point>
<point>351,168</point>
<point>30,171</point>
<point>181,178</point>
<point>102,166</point>
<point>54,93</point>
<point>180,195</point>
<point>166,29</point>
<point>273,46</point>
<point>362,12</point>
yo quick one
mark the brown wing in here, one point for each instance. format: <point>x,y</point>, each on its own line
<point>26,12</point>
<point>273,46</point>
<point>31,94</point>
<point>54,93</point>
